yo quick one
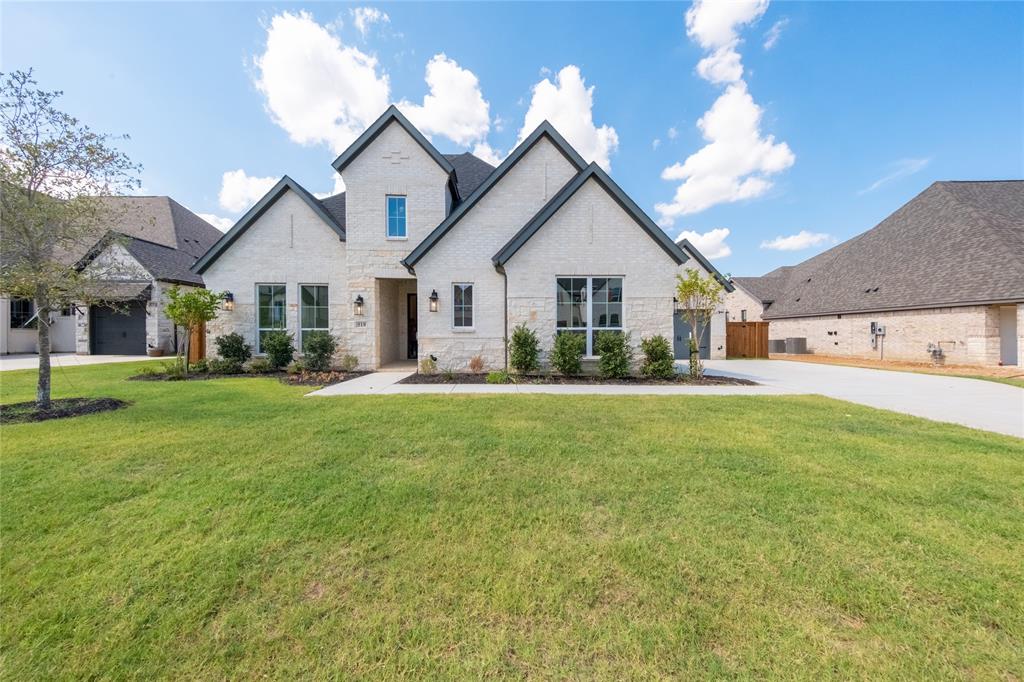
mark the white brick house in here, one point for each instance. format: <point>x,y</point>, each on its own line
<point>427,254</point>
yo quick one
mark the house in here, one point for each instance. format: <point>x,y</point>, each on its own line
<point>150,245</point>
<point>941,278</point>
<point>434,255</point>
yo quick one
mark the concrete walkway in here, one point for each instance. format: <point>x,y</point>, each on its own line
<point>986,405</point>
<point>978,404</point>
<point>31,360</point>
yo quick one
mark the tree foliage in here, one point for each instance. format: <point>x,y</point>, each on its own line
<point>54,174</point>
<point>699,296</point>
<point>190,309</point>
<point>524,350</point>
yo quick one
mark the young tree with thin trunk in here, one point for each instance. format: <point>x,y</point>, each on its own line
<point>699,297</point>
<point>54,173</point>
<point>190,310</point>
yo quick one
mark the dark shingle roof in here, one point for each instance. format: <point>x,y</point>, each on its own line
<point>470,171</point>
<point>335,206</point>
<point>164,263</point>
<point>955,243</point>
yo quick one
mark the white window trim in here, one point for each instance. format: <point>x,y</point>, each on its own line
<point>387,236</point>
<point>472,327</point>
<point>256,291</point>
<point>302,331</point>
<point>588,353</point>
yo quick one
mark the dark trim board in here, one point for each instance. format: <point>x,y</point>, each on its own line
<point>254,213</point>
<point>545,129</point>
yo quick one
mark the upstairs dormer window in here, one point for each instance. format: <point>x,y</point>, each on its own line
<point>396,217</point>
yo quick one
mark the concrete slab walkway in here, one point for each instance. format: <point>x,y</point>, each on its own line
<point>31,360</point>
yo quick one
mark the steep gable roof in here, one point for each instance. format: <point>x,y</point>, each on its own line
<point>391,115</point>
<point>276,192</point>
<point>955,243</point>
<point>470,171</point>
<point>544,130</point>
<point>679,252</point>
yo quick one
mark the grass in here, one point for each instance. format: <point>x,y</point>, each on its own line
<point>235,529</point>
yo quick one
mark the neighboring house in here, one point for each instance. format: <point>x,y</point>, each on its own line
<point>427,254</point>
<point>150,246</point>
<point>944,271</point>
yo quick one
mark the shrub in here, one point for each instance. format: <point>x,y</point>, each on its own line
<point>476,364</point>
<point>448,373</point>
<point>233,347</point>
<point>320,347</point>
<point>296,367</point>
<point>616,354</point>
<point>428,366</point>
<point>348,363</point>
<point>201,365</point>
<point>260,366</point>
<point>658,360</point>
<point>567,353</point>
<point>174,370</point>
<point>225,366</point>
<point>524,350</point>
<point>279,348</point>
<point>499,377</point>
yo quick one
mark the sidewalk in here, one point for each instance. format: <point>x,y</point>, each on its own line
<point>31,360</point>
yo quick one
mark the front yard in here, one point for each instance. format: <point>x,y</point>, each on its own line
<point>233,529</point>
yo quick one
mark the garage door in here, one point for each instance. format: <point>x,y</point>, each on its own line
<point>119,332</point>
<point>681,338</point>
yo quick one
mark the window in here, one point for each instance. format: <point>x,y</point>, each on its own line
<point>462,305</point>
<point>396,217</point>
<point>312,310</point>
<point>588,305</point>
<point>270,311</point>
<point>22,311</point>
<point>743,316</point>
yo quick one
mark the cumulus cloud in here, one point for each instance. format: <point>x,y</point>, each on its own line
<point>317,89</point>
<point>715,25</point>
<point>483,151</point>
<point>567,103</point>
<point>798,242</point>
<point>721,66</point>
<point>735,163</point>
<point>365,17</point>
<point>774,33</point>
<point>222,224</point>
<point>454,107</point>
<point>239,191</point>
<point>897,169</point>
<point>711,243</point>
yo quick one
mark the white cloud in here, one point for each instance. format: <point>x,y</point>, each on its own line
<point>655,143</point>
<point>239,191</point>
<point>714,23</point>
<point>454,107</point>
<point>735,163</point>
<point>568,105</point>
<point>317,89</point>
<point>771,37</point>
<point>798,242</point>
<point>899,169</point>
<point>222,224</point>
<point>711,243</point>
<point>721,66</point>
<point>672,133</point>
<point>365,17</point>
<point>483,151</point>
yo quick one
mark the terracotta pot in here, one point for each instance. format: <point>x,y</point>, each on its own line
<point>155,352</point>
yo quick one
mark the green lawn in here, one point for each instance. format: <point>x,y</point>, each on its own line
<point>234,529</point>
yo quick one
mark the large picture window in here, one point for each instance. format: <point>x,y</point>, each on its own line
<point>22,310</point>
<point>312,310</point>
<point>588,305</point>
<point>396,217</point>
<point>462,305</point>
<point>271,306</point>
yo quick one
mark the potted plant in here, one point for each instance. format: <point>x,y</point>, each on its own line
<point>154,352</point>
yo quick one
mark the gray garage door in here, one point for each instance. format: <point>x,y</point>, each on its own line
<point>681,338</point>
<point>118,332</point>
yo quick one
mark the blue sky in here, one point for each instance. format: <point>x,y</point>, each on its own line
<point>850,111</point>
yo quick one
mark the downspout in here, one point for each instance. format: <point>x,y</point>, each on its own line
<point>504,276</point>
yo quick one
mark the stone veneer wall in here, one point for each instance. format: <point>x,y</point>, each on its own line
<point>968,335</point>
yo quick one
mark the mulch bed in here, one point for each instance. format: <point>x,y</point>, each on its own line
<point>680,380</point>
<point>18,413</point>
<point>303,379</point>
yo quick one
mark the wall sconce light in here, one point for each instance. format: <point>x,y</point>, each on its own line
<point>358,305</point>
<point>433,301</point>
<point>229,301</point>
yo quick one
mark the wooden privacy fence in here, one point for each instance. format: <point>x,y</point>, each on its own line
<point>746,339</point>
<point>197,344</point>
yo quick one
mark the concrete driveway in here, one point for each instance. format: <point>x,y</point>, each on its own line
<point>971,402</point>
<point>31,360</point>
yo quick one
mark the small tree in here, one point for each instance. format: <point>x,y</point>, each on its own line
<point>524,350</point>
<point>54,175</point>
<point>699,296</point>
<point>190,310</point>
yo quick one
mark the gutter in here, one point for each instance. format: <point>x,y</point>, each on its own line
<point>504,277</point>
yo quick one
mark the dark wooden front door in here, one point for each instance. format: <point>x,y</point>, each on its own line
<point>410,307</point>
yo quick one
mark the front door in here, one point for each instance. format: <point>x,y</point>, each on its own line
<point>681,338</point>
<point>412,346</point>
